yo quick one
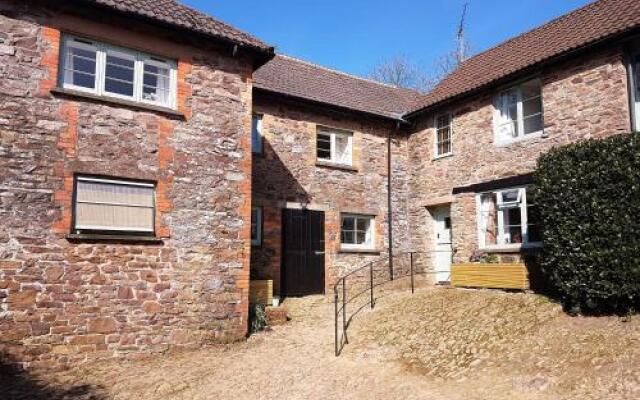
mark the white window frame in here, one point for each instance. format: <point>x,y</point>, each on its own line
<point>107,229</point>
<point>634,89</point>
<point>436,153</point>
<point>370,234</point>
<point>256,134</point>
<point>502,238</point>
<point>497,120</point>
<point>256,241</point>
<point>333,135</point>
<point>139,58</point>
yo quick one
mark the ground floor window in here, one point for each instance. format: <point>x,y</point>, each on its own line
<point>113,206</point>
<point>256,226</point>
<point>357,231</point>
<point>508,217</point>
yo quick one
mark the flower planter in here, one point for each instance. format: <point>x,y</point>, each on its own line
<point>494,276</point>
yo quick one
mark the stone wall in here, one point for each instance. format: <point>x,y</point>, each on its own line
<point>287,175</point>
<point>64,301</point>
<point>583,98</point>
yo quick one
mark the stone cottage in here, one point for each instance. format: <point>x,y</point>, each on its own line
<point>154,159</point>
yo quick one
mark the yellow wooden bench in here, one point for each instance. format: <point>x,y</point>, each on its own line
<point>493,276</point>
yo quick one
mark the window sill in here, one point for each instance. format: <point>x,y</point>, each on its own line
<point>329,164</point>
<point>511,248</point>
<point>359,251</point>
<point>169,112</point>
<point>441,156</point>
<point>91,237</point>
<point>530,136</point>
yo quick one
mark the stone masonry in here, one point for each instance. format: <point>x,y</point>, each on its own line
<point>287,172</point>
<point>63,301</point>
<point>583,98</point>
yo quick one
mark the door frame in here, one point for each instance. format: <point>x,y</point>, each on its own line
<point>434,213</point>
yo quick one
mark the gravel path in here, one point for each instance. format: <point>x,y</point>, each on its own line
<point>396,353</point>
<point>294,361</point>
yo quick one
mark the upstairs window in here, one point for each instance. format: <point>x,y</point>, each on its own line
<point>519,112</point>
<point>256,134</point>
<point>443,135</point>
<point>256,226</point>
<point>508,217</point>
<point>111,71</point>
<point>357,231</point>
<point>113,206</point>
<point>334,146</point>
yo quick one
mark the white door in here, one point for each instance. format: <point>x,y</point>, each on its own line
<point>442,222</point>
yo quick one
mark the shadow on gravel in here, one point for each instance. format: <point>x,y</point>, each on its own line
<point>17,384</point>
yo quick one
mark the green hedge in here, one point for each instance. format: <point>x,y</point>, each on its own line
<point>589,197</point>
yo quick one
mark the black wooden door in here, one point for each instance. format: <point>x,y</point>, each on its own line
<point>303,250</point>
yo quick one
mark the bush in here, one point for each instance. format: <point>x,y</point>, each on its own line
<point>589,198</point>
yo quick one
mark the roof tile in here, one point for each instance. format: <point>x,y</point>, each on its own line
<point>177,14</point>
<point>580,28</point>
<point>293,77</point>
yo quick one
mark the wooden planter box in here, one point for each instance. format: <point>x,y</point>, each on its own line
<point>494,276</point>
<point>261,292</point>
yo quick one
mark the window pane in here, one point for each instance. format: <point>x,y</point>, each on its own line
<point>361,237</point>
<point>513,216</point>
<point>323,146</point>
<point>363,224</point>
<point>348,223</point>
<point>343,151</point>
<point>443,121</point>
<point>156,83</point>
<point>533,124</point>
<point>255,224</point>
<point>119,75</point>
<point>348,237</point>
<point>510,196</point>
<point>80,67</point>
<point>532,106</point>
<point>514,235</point>
<point>256,134</point>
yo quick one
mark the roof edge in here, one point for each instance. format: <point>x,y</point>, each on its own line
<point>622,35</point>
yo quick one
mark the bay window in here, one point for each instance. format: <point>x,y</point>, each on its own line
<point>113,206</point>
<point>518,113</point>
<point>334,146</point>
<point>111,71</point>
<point>357,231</point>
<point>508,217</point>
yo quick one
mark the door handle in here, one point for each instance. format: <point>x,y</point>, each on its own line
<point>318,253</point>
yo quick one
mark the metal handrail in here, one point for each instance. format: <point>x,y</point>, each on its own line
<point>341,340</point>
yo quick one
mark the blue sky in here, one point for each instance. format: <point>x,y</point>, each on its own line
<point>354,35</point>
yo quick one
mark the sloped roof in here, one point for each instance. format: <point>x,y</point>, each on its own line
<point>174,13</point>
<point>293,77</point>
<point>580,28</point>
